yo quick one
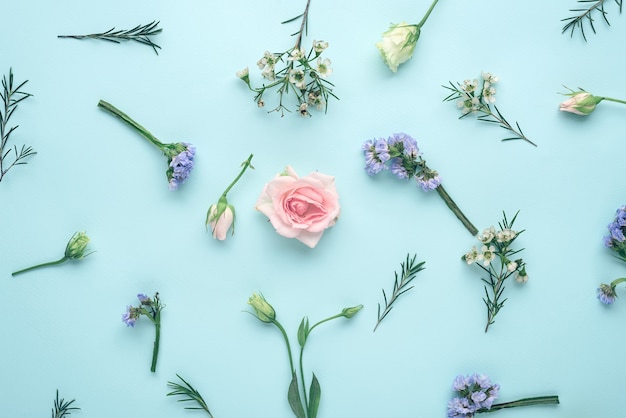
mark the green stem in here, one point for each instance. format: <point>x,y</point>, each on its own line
<point>246,164</point>
<point>157,338</point>
<point>430,9</point>
<point>123,116</point>
<point>306,401</point>
<point>613,100</point>
<point>456,210</point>
<point>51,263</point>
<point>537,400</point>
<point>282,330</point>
<point>618,281</point>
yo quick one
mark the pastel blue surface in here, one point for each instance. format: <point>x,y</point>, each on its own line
<point>61,327</point>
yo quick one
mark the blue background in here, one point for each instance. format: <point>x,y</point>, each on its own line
<point>60,327</point>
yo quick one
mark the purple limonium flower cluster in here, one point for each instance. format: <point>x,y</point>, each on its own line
<point>180,160</point>
<point>399,154</point>
<point>616,240</point>
<point>606,293</point>
<point>150,308</point>
<point>475,392</point>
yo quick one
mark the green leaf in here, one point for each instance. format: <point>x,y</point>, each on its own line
<point>315,393</point>
<point>303,331</point>
<point>294,398</point>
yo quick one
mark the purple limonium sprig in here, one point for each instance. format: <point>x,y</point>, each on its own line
<point>616,241</point>
<point>151,308</point>
<point>180,155</point>
<point>476,394</point>
<point>400,154</point>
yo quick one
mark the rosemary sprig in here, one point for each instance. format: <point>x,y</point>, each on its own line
<point>140,33</point>
<point>62,408</point>
<point>586,16</point>
<point>409,271</point>
<point>190,395</point>
<point>11,97</point>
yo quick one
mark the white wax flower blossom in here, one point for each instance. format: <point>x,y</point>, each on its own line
<point>296,77</point>
<point>304,110</point>
<point>269,74</point>
<point>243,73</point>
<point>489,78</point>
<point>323,67</point>
<point>319,46</point>
<point>505,235</point>
<point>469,86</point>
<point>488,95</point>
<point>487,235</point>
<point>511,266</point>
<point>521,277</point>
<point>488,254</point>
<point>471,256</point>
<point>297,54</point>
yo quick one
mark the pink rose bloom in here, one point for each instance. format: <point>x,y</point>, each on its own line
<point>300,207</point>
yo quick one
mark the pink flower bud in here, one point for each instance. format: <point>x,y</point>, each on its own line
<point>580,103</point>
<point>221,218</point>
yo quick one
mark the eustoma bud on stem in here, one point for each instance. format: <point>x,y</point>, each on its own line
<point>303,403</point>
<point>221,215</point>
<point>75,250</point>
<point>399,41</point>
<point>180,155</point>
<point>583,103</point>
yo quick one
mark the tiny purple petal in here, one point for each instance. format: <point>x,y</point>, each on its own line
<point>128,317</point>
<point>606,294</point>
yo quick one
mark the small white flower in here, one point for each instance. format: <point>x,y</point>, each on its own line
<point>296,77</point>
<point>506,235</point>
<point>471,256</point>
<point>490,78</point>
<point>488,254</point>
<point>521,278</point>
<point>319,46</point>
<point>488,95</point>
<point>296,54</point>
<point>469,104</point>
<point>469,86</point>
<point>511,266</point>
<point>269,73</point>
<point>304,110</point>
<point>487,235</point>
<point>323,67</point>
<point>315,99</point>
<point>269,60</point>
<point>243,73</point>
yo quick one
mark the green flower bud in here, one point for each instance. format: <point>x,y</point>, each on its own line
<point>350,312</point>
<point>263,310</point>
<point>77,245</point>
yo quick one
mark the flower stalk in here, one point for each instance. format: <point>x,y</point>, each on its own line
<point>75,250</point>
<point>221,215</point>
<point>304,403</point>
<point>180,155</point>
<point>399,154</point>
<point>537,400</point>
<point>151,308</point>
